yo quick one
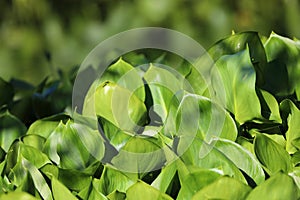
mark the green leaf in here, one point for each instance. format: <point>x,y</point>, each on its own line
<point>116,104</point>
<point>224,188</point>
<point>271,155</point>
<point>292,113</point>
<point>295,174</point>
<point>34,141</point>
<point>7,92</point>
<point>116,195</point>
<point>34,156</point>
<point>237,77</point>
<point>17,196</point>
<point>279,186</point>
<point>192,115</point>
<point>165,177</point>
<point>60,191</point>
<point>140,154</point>
<point>44,127</point>
<point>226,156</point>
<point>296,158</point>
<point>199,75</point>
<point>11,128</point>
<point>126,76</point>
<point>112,179</point>
<point>270,106</point>
<point>95,195</point>
<point>141,190</point>
<point>246,143</point>
<point>195,181</point>
<point>285,51</point>
<point>38,180</point>
<point>239,42</point>
<point>74,146</point>
<point>74,179</point>
<point>115,136</point>
<point>163,86</point>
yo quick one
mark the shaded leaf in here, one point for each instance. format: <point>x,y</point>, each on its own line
<point>11,128</point>
<point>60,191</point>
<point>269,106</point>
<point>286,52</point>
<point>7,92</point>
<point>165,177</point>
<point>271,155</point>
<point>292,114</point>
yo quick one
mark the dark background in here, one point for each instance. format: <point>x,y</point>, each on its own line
<point>39,35</point>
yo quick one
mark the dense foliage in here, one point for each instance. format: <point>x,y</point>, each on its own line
<point>46,154</point>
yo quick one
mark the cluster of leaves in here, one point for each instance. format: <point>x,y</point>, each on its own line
<point>244,146</point>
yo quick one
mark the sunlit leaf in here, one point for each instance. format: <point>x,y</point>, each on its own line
<point>17,196</point>
<point>125,75</point>
<point>226,156</point>
<point>163,86</point>
<point>118,105</point>
<point>74,146</point>
<point>224,188</point>
<point>141,190</point>
<point>238,79</point>
<point>60,191</point>
<point>279,186</point>
<point>196,181</point>
<point>140,154</point>
<point>112,179</point>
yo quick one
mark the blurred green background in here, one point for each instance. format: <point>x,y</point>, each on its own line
<point>38,36</point>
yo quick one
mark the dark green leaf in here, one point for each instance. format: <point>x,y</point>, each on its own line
<point>284,53</point>
<point>11,128</point>
<point>7,92</point>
